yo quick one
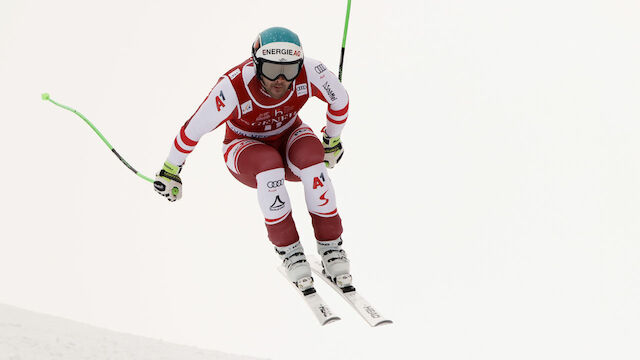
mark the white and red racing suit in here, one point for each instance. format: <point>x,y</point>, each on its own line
<point>266,143</point>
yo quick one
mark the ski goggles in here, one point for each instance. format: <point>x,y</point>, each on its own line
<point>272,71</point>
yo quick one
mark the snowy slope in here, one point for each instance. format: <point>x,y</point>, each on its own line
<point>26,335</point>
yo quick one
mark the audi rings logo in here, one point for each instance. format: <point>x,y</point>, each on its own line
<point>275,184</point>
<point>320,68</point>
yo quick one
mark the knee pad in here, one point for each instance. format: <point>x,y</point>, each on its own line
<point>272,196</point>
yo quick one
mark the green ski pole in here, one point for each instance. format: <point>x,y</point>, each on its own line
<point>344,40</point>
<point>47,97</point>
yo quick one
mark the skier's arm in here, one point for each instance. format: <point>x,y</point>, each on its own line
<point>220,106</point>
<point>326,86</point>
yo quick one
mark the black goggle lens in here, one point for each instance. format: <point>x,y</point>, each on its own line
<point>272,71</point>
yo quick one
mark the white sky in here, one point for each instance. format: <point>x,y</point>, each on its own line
<point>489,189</point>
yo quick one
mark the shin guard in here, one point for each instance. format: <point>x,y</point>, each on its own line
<point>276,207</point>
<point>321,202</point>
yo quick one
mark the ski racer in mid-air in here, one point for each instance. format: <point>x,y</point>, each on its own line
<point>266,142</point>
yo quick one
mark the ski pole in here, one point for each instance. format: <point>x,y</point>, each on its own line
<point>47,97</point>
<point>344,39</point>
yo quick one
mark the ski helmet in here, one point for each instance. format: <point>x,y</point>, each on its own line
<point>277,51</point>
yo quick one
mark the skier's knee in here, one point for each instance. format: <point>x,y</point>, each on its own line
<point>257,159</point>
<point>306,152</point>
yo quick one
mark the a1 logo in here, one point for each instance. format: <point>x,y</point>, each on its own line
<point>317,182</point>
<point>219,103</point>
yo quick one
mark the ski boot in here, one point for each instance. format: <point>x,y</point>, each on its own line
<point>334,262</point>
<point>296,266</point>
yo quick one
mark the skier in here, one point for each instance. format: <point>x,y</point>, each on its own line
<point>266,142</point>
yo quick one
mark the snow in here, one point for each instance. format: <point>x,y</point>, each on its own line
<point>26,335</point>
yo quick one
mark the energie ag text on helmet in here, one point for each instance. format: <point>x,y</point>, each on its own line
<point>290,52</point>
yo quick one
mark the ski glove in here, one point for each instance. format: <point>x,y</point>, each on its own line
<point>168,183</point>
<point>332,150</point>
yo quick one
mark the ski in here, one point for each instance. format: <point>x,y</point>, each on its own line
<point>319,308</point>
<point>349,293</point>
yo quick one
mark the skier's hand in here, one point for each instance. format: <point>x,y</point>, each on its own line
<point>332,150</point>
<point>168,183</point>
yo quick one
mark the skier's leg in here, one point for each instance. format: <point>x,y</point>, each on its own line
<point>305,158</point>
<point>260,166</point>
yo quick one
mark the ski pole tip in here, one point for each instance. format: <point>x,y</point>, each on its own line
<point>45,96</point>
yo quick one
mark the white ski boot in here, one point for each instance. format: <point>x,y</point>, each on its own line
<point>296,265</point>
<point>335,262</point>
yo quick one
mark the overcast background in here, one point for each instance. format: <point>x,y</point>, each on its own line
<point>489,189</point>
